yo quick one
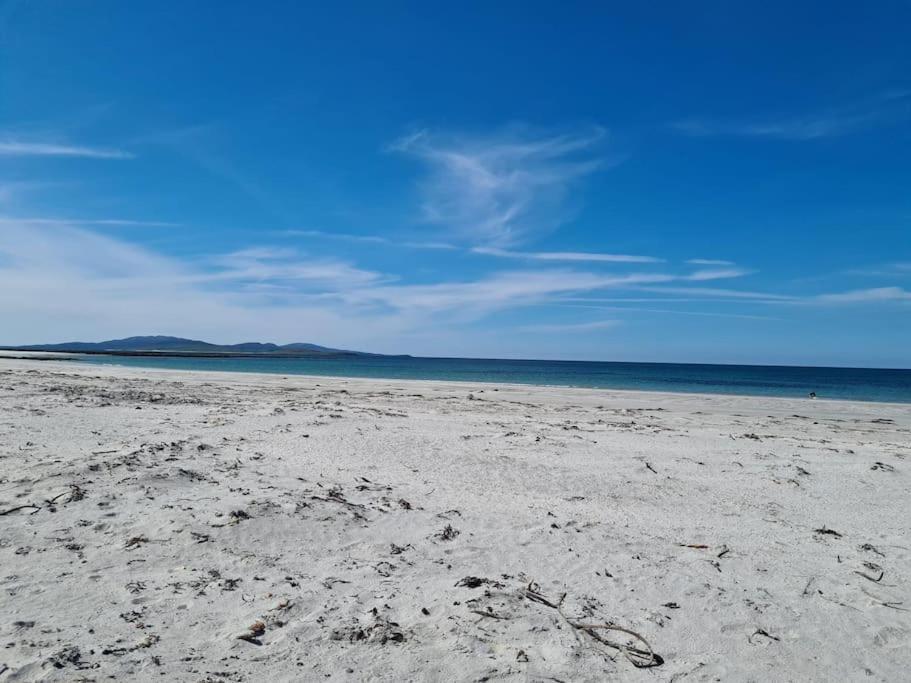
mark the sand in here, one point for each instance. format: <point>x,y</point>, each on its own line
<point>226,527</point>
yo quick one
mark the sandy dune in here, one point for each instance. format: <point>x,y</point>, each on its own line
<point>212,527</point>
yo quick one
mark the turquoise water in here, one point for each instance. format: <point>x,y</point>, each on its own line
<point>835,383</point>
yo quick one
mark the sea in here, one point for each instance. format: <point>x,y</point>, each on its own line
<point>857,384</point>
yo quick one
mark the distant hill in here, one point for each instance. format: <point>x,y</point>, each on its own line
<point>159,345</point>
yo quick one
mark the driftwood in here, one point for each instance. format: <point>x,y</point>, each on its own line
<point>20,507</point>
<point>75,493</point>
<point>638,657</point>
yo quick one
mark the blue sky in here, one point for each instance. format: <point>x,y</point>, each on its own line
<point>699,182</point>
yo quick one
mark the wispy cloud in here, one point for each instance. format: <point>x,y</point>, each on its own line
<point>89,283</point>
<point>498,190</point>
<point>80,283</point>
<point>513,288</point>
<point>495,292</point>
<point>717,274</point>
<point>367,239</point>
<point>69,278</point>
<point>103,268</point>
<point>891,270</point>
<point>592,326</point>
<point>18,148</point>
<point>568,256</point>
<point>96,222</point>
<point>342,236</point>
<point>674,311</point>
<point>717,292</point>
<point>708,262</point>
<point>12,191</point>
<point>809,128</point>
<point>571,256</point>
<point>857,296</point>
<point>885,107</point>
<point>283,266</point>
<point>552,256</point>
<point>872,295</point>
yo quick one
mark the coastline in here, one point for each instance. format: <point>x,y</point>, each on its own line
<point>71,361</point>
<point>361,528</point>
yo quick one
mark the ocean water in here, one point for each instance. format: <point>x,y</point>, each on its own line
<point>830,383</point>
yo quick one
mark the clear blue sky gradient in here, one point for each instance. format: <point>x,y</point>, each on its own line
<point>460,179</point>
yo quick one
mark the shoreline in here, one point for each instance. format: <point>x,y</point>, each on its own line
<point>487,385</point>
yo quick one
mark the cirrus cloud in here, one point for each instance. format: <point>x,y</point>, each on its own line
<point>19,148</point>
<point>498,190</point>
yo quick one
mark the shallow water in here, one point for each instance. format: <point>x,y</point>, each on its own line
<point>834,383</point>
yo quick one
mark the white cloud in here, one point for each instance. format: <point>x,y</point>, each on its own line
<point>443,246</point>
<point>708,262</point>
<point>69,281</point>
<point>60,282</point>
<point>891,270</point>
<point>496,292</point>
<point>56,277</point>
<point>10,191</point>
<point>671,311</point>
<point>565,256</point>
<point>97,222</point>
<point>510,289</point>
<point>572,327</point>
<point>63,283</point>
<point>872,295</point>
<point>343,236</point>
<point>717,274</point>
<point>721,293</point>
<point>276,266</point>
<point>807,128</point>
<point>500,189</point>
<point>885,107</point>
<point>17,148</point>
<point>367,239</point>
<point>876,294</point>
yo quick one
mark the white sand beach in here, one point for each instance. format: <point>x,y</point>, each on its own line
<point>158,525</point>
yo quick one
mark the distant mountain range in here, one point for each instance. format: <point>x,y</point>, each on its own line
<point>158,345</point>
